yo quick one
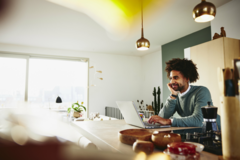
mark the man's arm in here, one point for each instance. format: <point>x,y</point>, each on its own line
<point>157,119</point>
<point>166,112</point>
<point>196,119</point>
<point>169,108</point>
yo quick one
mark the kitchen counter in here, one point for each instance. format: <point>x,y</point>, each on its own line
<point>104,134</point>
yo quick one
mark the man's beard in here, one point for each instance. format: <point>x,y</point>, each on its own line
<point>177,88</point>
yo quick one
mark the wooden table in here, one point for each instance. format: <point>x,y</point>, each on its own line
<point>105,135</point>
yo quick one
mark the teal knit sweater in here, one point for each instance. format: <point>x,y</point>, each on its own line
<point>188,107</point>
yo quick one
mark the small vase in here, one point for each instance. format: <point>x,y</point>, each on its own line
<point>76,114</point>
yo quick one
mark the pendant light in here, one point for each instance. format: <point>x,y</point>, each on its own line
<point>204,12</point>
<point>142,43</point>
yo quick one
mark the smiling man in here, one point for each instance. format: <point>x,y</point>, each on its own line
<point>185,99</point>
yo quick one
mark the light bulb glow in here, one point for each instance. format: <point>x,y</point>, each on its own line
<point>204,18</point>
<point>142,48</point>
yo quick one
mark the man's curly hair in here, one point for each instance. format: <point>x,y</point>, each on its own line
<point>185,66</point>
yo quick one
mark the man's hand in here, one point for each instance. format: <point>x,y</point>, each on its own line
<point>171,89</point>
<point>157,119</point>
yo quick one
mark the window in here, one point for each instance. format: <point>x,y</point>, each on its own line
<point>40,80</point>
<point>12,81</point>
<point>50,78</point>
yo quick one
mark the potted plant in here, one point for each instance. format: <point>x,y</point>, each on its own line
<point>77,109</point>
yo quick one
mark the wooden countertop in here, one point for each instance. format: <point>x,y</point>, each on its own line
<point>105,135</point>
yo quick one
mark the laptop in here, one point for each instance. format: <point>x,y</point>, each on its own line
<point>131,115</point>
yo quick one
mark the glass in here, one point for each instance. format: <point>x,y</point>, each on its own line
<point>50,78</point>
<point>13,77</point>
<point>71,118</point>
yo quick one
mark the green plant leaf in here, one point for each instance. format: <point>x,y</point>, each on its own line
<point>69,110</point>
<point>83,107</point>
<point>75,104</point>
<point>77,107</point>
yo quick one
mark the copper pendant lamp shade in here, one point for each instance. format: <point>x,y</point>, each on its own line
<point>204,12</point>
<point>142,43</point>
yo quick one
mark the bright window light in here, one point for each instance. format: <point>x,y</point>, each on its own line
<point>50,78</point>
<point>12,86</point>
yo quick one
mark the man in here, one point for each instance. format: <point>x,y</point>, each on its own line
<point>184,99</point>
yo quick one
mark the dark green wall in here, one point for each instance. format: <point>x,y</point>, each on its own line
<point>175,49</point>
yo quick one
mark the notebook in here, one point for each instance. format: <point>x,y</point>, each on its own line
<point>131,115</point>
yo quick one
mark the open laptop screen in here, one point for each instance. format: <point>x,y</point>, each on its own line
<point>130,113</point>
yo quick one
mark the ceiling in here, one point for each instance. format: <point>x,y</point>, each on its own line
<point>100,26</point>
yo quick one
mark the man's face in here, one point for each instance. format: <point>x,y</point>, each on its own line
<point>178,81</point>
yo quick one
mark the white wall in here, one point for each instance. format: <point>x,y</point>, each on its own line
<point>121,74</point>
<point>124,77</point>
<point>151,75</point>
<point>228,17</point>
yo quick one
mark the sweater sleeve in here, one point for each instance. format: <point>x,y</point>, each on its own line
<point>196,119</point>
<point>168,109</point>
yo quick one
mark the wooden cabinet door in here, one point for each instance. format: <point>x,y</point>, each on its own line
<point>231,51</point>
<point>208,57</point>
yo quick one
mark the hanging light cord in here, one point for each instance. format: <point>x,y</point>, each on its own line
<point>142,15</point>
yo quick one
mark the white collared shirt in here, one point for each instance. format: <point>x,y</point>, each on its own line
<point>182,94</point>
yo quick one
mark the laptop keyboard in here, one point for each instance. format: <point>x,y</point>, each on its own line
<point>149,124</point>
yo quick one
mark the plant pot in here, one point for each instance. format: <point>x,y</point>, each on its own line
<point>76,114</point>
